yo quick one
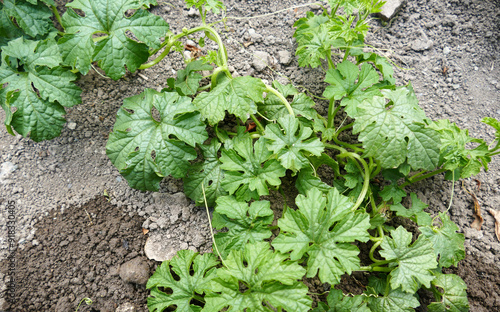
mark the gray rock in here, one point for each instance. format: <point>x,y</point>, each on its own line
<point>126,307</point>
<point>422,43</point>
<point>6,168</point>
<point>72,125</point>
<point>285,57</point>
<point>260,60</point>
<point>446,50</point>
<point>390,9</point>
<point>157,249</point>
<point>193,12</point>
<point>135,271</point>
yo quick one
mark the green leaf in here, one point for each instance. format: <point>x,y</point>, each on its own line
<point>8,30</point>
<point>395,301</point>
<point>146,148</point>
<point>343,85</point>
<point>448,244</point>
<point>380,62</point>
<point>412,263</point>
<point>41,92</point>
<point>394,192</point>
<point>306,180</point>
<point>116,50</point>
<point>245,224</point>
<point>338,302</point>
<point>453,296</point>
<point>313,39</point>
<point>415,213</point>
<point>207,173</point>
<point>494,123</point>
<point>238,96</point>
<point>324,228</point>
<point>248,165</point>
<point>210,5</point>
<point>396,132</point>
<point>454,153</point>
<point>344,28</point>
<point>33,18</point>
<point>188,79</point>
<point>290,140</point>
<point>350,6</point>
<point>193,274</point>
<point>301,104</point>
<point>267,277</point>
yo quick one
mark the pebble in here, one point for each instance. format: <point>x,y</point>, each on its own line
<point>126,307</point>
<point>285,57</point>
<point>446,50</point>
<point>6,168</point>
<point>193,12</point>
<point>135,271</point>
<point>260,60</point>
<point>72,125</point>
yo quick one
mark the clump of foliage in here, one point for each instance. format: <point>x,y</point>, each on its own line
<point>254,270</point>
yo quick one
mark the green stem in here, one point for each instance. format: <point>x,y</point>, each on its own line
<point>366,176</point>
<point>329,59</point>
<point>257,122</point>
<point>347,145</point>
<point>375,269</point>
<point>332,113</point>
<point>423,177</point>
<point>270,89</point>
<point>56,14</point>
<point>346,54</point>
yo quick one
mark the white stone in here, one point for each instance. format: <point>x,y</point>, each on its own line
<point>390,8</point>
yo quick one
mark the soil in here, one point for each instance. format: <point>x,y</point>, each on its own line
<point>449,50</point>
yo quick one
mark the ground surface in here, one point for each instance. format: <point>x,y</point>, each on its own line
<point>449,51</point>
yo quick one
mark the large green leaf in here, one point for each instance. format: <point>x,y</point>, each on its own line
<point>415,212</point>
<point>33,18</point>
<point>351,85</point>
<point>454,295</point>
<point>324,228</point>
<point>8,30</point>
<point>412,263</point>
<point>290,140</point>
<point>338,302</point>
<point>36,87</point>
<point>193,274</point>
<point>448,244</point>
<point>245,224</point>
<point>248,168</point>
<point>301,104</point>
<point>207,173</point>
<point>238,96</point>
<point>394,301</point>
<point>395,131</point>
<point>116,50</point>
<point>267,277</point>
<point>146,148</point>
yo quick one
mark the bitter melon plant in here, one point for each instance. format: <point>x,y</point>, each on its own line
<point>182,131</point>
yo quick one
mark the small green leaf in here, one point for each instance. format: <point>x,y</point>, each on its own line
<point>415,213</point>
<point>211,5</point>
<point>245,224</point>
<point>343,85</point>
<point>188,79</point>
<point>267,277</point>
<point>394,192</point>
<point>301,104</point>
<point>395,301</point>
<point>248,165</point>
<point>396,131</point>
<point>338,302</point>
<point>313,39</point>
<point>306,180</point>
<point>193,274</point>
<point>238,96</point>
<point>454,295</point>
<point>207,173</point>
<point>290,140</point>
<point>412,263</point>
<point>115,50</point>
<point>145,149</point>
<point>448,244</point>
<point>324,228</point>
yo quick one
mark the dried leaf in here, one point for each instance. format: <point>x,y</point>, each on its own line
<point>145,231</point>
<point>478,219</point>
<point>496,215</point>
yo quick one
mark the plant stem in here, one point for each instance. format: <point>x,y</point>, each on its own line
<point>422,177</point>
<point>375,269</point>
<point>329,59</point>
<point>331,113</point>
<point>56,14</point>
<point>257,122</point>
<point>282,99</point>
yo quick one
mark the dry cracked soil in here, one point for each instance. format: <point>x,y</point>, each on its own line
<point>79,227</point>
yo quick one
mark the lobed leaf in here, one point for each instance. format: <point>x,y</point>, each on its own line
<point>115,49</point>
<point>454,295</point>
<point>32,18</point>
<point>245,224</point>
<point>323,228</point>
<point>415,213</point>
<point>412,263</point>
<point>193,274</point>
<point>145,149</point>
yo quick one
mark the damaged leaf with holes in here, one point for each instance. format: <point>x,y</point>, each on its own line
<point>154,136</point>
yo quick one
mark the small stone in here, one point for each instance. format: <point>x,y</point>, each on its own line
<point>390,8</point>
<point>88,134</point>
<point>72,125</point>
<point>135,271</point>
<point>126,307</point>
<point>446,50</point>
<point>422,43</point>
<point>260,60</point>
<point>193,12</point>
<point>156,248</point>
<point>285,57</point>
